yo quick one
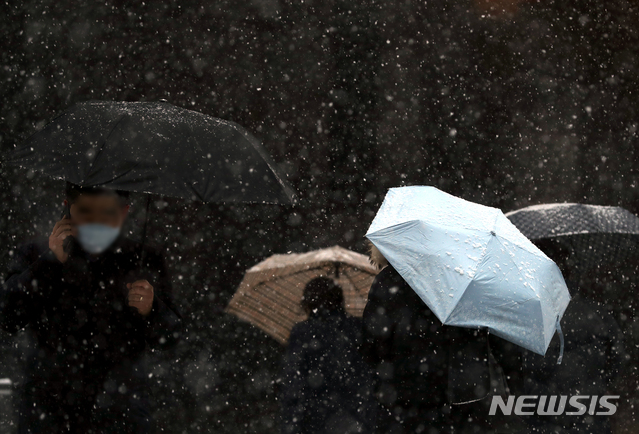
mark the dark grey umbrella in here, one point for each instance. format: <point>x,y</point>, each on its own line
<point>594,234</point>
<point>155,147</point>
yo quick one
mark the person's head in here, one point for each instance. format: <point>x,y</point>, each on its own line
<point>322,294</point>
<point>98,213</point>
<point>376,257</point>
<point>97,205</point>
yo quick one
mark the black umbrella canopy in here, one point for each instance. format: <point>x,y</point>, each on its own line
<point>563,219</point>
<point>596,235</point>
<point>155,147</point>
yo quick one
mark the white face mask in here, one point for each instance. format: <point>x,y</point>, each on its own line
<point>95,238</point>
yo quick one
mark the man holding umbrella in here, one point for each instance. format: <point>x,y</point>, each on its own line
<point>94,301</point>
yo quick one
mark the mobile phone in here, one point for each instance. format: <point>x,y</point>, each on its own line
<point>66,213</point>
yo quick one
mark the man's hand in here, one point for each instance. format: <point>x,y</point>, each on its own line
<point>62,229</point>
<point>141,296</point>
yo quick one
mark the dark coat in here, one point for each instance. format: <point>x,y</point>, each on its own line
<point>86,363</point>
<point>326,386</point>
<point>423,367</point>
<point>594,358</point>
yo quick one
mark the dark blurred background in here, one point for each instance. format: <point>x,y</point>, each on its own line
<point>506,103</point>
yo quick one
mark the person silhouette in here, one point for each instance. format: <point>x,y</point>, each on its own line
<point>594,355</point>
<point>430,378</point>
<point>93,301</point>
<point>326,385</point>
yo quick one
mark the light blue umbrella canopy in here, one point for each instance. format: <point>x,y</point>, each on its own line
<point>471,265</point>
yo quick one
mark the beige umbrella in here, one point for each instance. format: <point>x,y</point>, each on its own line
<point>270,293</point>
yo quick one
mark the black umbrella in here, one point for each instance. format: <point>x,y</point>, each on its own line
<point>155,147</point>
<point>594,234</point>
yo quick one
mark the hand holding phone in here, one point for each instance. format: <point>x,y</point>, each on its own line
<point>61,236</point>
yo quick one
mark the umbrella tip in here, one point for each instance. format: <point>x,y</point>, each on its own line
<point>493,233</point>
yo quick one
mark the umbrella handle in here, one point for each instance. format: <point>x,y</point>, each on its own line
<point>561,342</point>
<point>144,231</point>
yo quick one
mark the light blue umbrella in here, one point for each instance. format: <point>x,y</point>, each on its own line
<point>471,265</point>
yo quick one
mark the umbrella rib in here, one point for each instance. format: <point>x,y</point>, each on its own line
<point>348,277</point>
<point>106,139</point>
<point>515,264</point>
<point>521,248</point>
<point>122,174</point>
<point>266,158</point>
<point>479,267</point>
